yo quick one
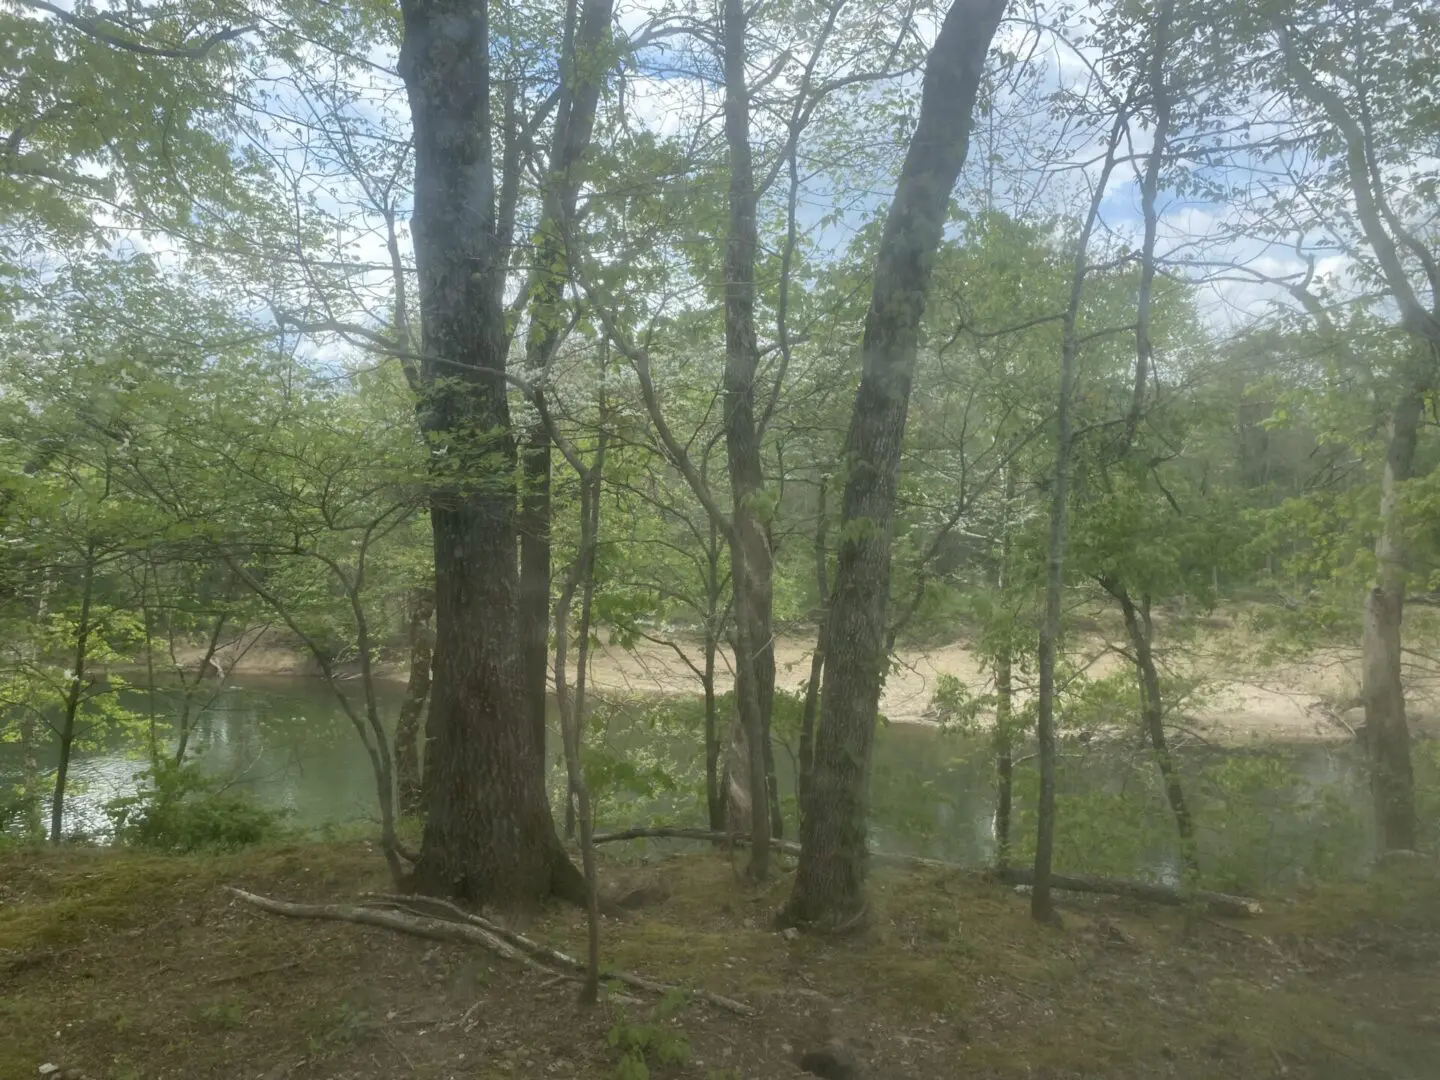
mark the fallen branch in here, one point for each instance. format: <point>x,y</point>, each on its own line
<point>457,925</point>
<point>1217,902</point>
<point>672,832</point>
<point>433,929</point>
<point>787,847</point>
<point>447,911</point>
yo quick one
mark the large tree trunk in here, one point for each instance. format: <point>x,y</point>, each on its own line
<point>582,77</point>
<point>412,707</point>
<point>750,558</point>
<point>830,883</point>
<point>1387,734</point>
<point>489,836</point>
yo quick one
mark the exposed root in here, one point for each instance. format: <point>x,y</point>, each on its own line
<point>439,920</point>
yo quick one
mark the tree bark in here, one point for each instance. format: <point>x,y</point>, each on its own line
<point>829,885</point>
<point>412,708</point>
<point>751,566</point>
<point>806,769</point>
<point>1141,632</point>
<point>1004,695</point>
<point>1387,734</point>
<point>582,77</point>
<point>572,714</point>
<point>72,697</point>
<point>489,836</point>
<point>1041,906</point>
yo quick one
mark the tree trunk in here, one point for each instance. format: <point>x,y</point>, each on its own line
<point>572,714</point>
<point>806,768</point>
<point>412,708</point>
<point>72,698</point>
<point>1387,734</point>
<point>489,836</point>
<point>750,558</point>
<point>830,882</point>
<point>1004,697</point>
<point>1152,717</point>
<point>1041,906</point>
<point>581,78</point>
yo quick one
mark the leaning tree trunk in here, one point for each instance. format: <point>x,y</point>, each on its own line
<point>1141,631</point>
<point>412,707</point>
<point>72,698</point>
<point>489,836</point>
<point>830,882</point>
<point>1387,734</point>
<point>581,79</point>
<point>751,566</point>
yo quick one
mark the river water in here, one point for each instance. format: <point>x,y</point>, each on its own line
<point>1268,815</point>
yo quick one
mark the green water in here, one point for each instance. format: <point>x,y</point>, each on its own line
<point>1267,816</point>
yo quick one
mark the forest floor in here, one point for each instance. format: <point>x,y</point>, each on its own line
<point>124,966</point>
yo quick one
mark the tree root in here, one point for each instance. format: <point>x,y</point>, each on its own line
<point>439,920</point>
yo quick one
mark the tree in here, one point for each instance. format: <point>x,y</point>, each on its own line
<point>489,836</point>
<point>829,885</point>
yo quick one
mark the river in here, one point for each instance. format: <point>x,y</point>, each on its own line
<point>1266,814</point>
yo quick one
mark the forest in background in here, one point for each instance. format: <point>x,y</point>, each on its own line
<point>461,337</point>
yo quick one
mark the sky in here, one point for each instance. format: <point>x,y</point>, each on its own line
<point>1024,158</point>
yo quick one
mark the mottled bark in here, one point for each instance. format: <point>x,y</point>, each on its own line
<point>489,836</point>
<point>750,557</point>
<point>412,707</point>
<point>1387,734</point>
<point>582,78</point>
<point>830,882</point>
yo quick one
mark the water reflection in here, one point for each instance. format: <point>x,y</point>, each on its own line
<point>287,742</point>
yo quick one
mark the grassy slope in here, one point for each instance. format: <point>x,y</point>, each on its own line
<point>127,966</point>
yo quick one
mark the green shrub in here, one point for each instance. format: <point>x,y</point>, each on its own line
<point>182,810</point>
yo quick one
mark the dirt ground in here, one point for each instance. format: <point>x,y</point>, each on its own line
<point>123,966</point>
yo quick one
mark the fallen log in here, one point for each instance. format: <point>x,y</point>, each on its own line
<point>1219,903</point>
<point>673,832</point>
<point>462,927</point>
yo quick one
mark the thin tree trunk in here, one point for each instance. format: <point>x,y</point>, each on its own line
<point>1387,734</point>
<point>489,835</point>
<point>830,882</point>
<point>821,551</point>
<point>750,558</point>
<point>581,79</point>
<point>1141,632</point>
<point>1004,697</point>
<point>1042,906</point>
<point>188,689</point>
<point>72,697</point>
<point>412,708</point>
<point>572,721</point>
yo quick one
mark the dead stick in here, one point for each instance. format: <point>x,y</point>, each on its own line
<point>417,904</point>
